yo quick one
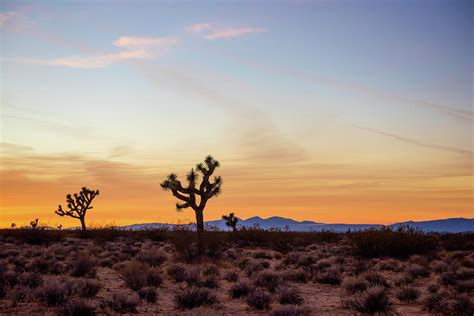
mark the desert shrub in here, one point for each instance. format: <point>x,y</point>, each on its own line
<point>231,276</point>
<point>296,275</point>
<point>262,254</point>
<point>88,288</point>
<point>330,276</point>
<point>389,265</point>
<point>324,263</point>
<point>20,294</point>
<point>385,242</point>
<point>121,302</point>
<point>416,270</point>
<point>435,303</point>
<point>30,279</point>
<point>465,286</point>
<point>354,285</point>
<point>192,297</point>
<point>148,294</point>
<point>77,307</point>
<point>52,293</point>
<point>268,280</point>
<point>433,288</point>
<point>292,258</point>
<point>375,278</point>
<point>462,305</point>
<point>289,310</point>
<point>134,274</point>
<point>239,289</point>
<point>259,299</point>
<point>465,273</point>
<point>289,296</point>
<point>153,257</point>
<point>107,262</point>
<point>449,277</point>
<point>210,270</point>
<point>153,277</point>
<point>40,265</point>
<point>407,294</point>
<point>178,272</point>
<point>83,266</point>
<point>403,279</point>
<point>461,241</point>
<point>439,266</point>
<point>211,281</point>
<point>373,300</point>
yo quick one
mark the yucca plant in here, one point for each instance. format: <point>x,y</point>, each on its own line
<point>78,205</point>
<point>231,221</point>
<point>194,195</point>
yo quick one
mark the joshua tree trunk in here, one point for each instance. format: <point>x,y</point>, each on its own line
<point>83,224</point>
<point>200,230</point>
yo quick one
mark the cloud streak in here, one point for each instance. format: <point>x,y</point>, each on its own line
<point>415,142</point>
<point>198,28</point>
<point>141,42</point>
<point>234,32</point>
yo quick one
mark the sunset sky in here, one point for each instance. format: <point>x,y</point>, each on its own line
<point>332,111</point>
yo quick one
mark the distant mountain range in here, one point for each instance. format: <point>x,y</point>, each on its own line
<point>450,225</point>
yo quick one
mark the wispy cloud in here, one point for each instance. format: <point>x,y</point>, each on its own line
<point>141,42</point>
<point>7,17</point>
<point>234,32</point>
<point>93,61</point>
<point>416,142</point>
<point>136,48</point>
<point>198,28</point>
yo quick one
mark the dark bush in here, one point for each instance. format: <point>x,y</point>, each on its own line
<point>462,305</point>
<point>148,294</point>
<point>407,294</point>
<point>375,278</point>
<point>259,299</point>
<point>153,277</point>
<point>88,288</point>
<point>435,303</point>
<point>192,297</point>
<point>77,307</point>
<point>373,300</point>
<point>52,293</point>
<point>135,273</point>
<point>289,296</point>
<point>355,285</point>
<point>121,302</point>
<point>232,276</point>
<point>153,257</point>
<point>30,279</point>
<point>289,310</point>
<point>239,289</point>
<point>330,276</point>
<point>297,275</point>
<point>416,270</point>
<point>385,242</point>
<point>83,266</point>
<point>268,280</point>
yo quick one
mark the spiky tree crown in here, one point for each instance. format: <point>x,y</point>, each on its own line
<point>206,190</point>
<point>78,205</point>
<point>34,223</point>
<point>230,220</point>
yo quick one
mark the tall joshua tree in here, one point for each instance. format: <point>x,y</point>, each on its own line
<point>231,221</point>
<point>194,195</point>
<point>79,205</point>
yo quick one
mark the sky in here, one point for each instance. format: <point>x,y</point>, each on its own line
<point>331,111</point>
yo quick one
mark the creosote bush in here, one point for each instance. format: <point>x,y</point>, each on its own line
<point>192,297</point>
<point>290,296</point>
<point>121,302</point>
<point>239,289</point>
<point>407,294</point>
<point>373,300</point>
<point>259,299</point>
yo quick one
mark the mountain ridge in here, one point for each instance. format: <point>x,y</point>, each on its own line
<point>448,225</point>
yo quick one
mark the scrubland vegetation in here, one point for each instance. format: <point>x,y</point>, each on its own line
<point>247,271</point>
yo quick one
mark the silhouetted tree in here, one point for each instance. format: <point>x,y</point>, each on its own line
<point>13,225</point>
<point>231,221</point>
<point>34,223</point>
<point>193,195</point>
<point>60,227</point>
<point>79,205</point>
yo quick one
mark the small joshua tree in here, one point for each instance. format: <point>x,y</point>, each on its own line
<point>231,221</point>
<point>13,225</point>
<point>34,224</point>
<point>59,227</point>
<point>193,195</point>
<point>79,205</point>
